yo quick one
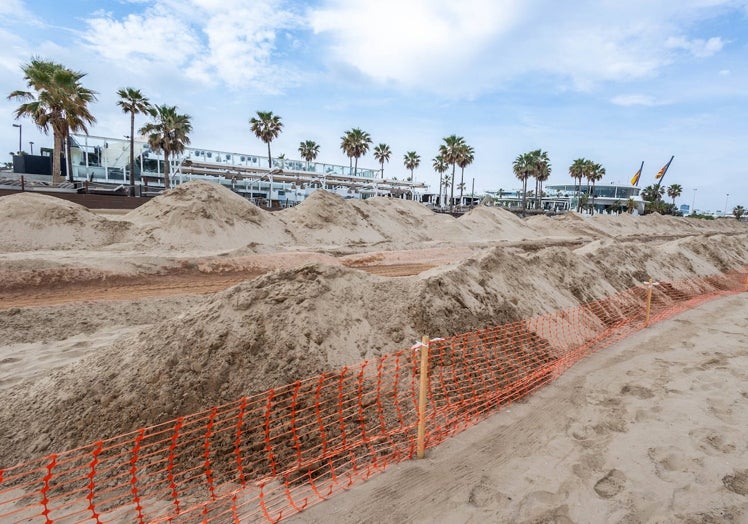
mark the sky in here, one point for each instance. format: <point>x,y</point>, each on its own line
<point>612,81</point>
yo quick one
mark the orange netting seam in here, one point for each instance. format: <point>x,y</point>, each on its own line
<point>264,457</point>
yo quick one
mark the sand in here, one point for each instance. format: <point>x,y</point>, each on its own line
<point>199,297</point>
<point>651,429</point>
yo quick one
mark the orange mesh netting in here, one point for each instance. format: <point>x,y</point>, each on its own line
<point>265,457</point>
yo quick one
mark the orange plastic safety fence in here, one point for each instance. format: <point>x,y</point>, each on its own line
<point>265,457</point>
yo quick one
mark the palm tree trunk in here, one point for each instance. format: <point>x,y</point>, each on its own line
<point>56,172</point>
<point>441,185</point>
<point>452,191</point>
<point>355,167</point>
<point>592,209</point>
<point>382,162</point>
<point>167,170</point>
<point>132,154</point>
<point>68,157</point>
<point>462,182</point>
<point>536,192</point>
<point>270,160</point>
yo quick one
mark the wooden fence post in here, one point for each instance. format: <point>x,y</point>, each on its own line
<point>649,302</point>
<point>422,391</point>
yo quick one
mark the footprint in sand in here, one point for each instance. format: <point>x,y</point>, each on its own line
<point>710,441</point>
<point>721,409</point>
<point>738,482</point>
<point>611,484</point>
<point>672,460</point>
<point>484,494</point>
<point>637,391</point>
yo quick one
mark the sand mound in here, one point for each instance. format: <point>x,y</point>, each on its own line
<point>36,222</point>
<point>398,221</point>
<point>328,219</point>
<point>290,324</point>
<point>205,216</point>
<point>491,223</point>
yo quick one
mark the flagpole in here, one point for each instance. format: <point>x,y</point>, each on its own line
<point>664,172</point>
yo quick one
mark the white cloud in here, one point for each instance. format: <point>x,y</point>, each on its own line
<point>476,45</point>
<point>14,9</point>
<point>210,41</point>
<point>698,47</point>
<point>413,42</point>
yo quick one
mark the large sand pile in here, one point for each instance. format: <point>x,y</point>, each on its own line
<point>494,223</point>
<point>38,222</point>
<point>293,323</point>
<point>327,219</point>
<point>205,216</point>
<point>404,222</point>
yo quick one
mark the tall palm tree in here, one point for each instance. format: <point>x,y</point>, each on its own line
<point>576,170</point>
<point>132,101</point>
<point>674,191</point>
<point>467,155</point>
<point>450,151</point>
<point>446,183</point>
<point>411,160</point>
<point>168,133</point>
<point>266,126</point>
<point>523,168</point>
<point>57,100</point>
<point>309,149</point>
<point>355,143</point>
<point>595,173</point>
<point>738,212</point>
<point>440,166</point>
<point>541,172</point>
<point>382,153</point>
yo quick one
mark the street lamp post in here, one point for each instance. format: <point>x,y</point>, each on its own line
<point>31,147</point>
<point>727,196</point>
<point>20,137</point>
<point>693,202</point>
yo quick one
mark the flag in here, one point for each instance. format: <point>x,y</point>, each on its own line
<point>661,172</point>
<point>635,179</point>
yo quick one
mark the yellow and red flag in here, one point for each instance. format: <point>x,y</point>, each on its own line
<point>637,175</point>
<point>661,172</point>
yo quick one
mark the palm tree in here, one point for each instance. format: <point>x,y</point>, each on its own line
<point>56,100</point>
<point>411,160</point>
<point>541,171</point>
<point>467,155</point>
<point>446,183</point>
<point>652,193</point>
<point>266,126</point>
<point>168,133</point>
<point>132,101</point>
<point>523,168</point>
<point>309,149</point>
<point>674,191</point>
<point>595,174</point>
<point>450,151</point>
<point>382,153</point>
<point>738,211</point>
<point>355,143</point>
<point>440,166</point>
<point>577,170</point>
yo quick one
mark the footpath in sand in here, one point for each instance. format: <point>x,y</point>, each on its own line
<point>651,429</point>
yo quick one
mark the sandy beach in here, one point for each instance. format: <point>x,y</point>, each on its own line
<point>109,324</point>
<point>651,429</point>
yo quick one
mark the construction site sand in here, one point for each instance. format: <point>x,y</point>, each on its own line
<point>182,356</point>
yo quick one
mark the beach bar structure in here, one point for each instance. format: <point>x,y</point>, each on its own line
<point>105,161</point>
